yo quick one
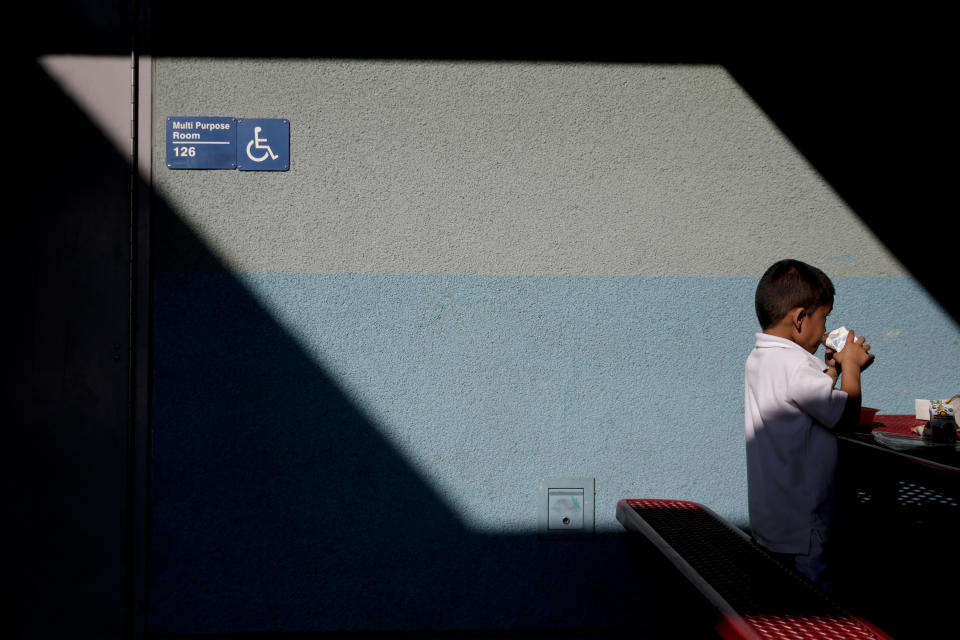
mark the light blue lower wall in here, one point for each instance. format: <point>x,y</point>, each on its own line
<point>354,451</point>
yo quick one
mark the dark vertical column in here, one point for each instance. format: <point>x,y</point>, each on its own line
<point>66,267</point>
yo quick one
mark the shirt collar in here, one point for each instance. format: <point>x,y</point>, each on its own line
<point>765,341</point>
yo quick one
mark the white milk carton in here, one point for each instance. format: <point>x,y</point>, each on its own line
<point>836,339</point>
<point>943,420</point>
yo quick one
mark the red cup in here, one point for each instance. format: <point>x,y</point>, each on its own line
<point>867,415</point>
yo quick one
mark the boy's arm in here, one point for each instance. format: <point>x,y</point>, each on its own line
<point>854,358</point>
<point>850,382</point>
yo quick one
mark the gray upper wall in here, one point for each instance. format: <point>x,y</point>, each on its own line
<point>572,169</point>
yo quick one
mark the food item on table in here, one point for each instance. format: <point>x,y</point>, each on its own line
<point>836,339</point>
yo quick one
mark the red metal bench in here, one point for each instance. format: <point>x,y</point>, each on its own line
<point>756,597</point>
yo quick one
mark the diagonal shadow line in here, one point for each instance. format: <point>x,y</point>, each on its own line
<point>872,127</point>
<point>276,505</point>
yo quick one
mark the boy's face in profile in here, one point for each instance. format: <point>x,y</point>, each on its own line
<point>813,327</point>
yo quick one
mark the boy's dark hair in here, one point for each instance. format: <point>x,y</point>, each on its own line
<point>789,284</point>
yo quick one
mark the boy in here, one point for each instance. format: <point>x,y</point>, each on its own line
<point>791,410</point>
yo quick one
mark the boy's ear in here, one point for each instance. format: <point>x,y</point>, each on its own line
<point>797,315</point>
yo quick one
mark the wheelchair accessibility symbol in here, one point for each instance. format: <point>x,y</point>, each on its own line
<point>264,144</point>
<point>260,143</point>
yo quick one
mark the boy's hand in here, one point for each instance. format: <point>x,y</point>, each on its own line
<point>856,353</point>
<point>832,369</point>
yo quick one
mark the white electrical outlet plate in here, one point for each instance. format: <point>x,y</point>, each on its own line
<point>565,508</point>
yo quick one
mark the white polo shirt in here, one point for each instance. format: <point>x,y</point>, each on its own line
<point>790,409</point>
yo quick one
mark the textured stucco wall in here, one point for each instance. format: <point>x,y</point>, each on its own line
<point>474,275</point>
<point>508,169</point>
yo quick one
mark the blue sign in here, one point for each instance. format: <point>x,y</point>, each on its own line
<point>263,144</point>
<point>201,143</point>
